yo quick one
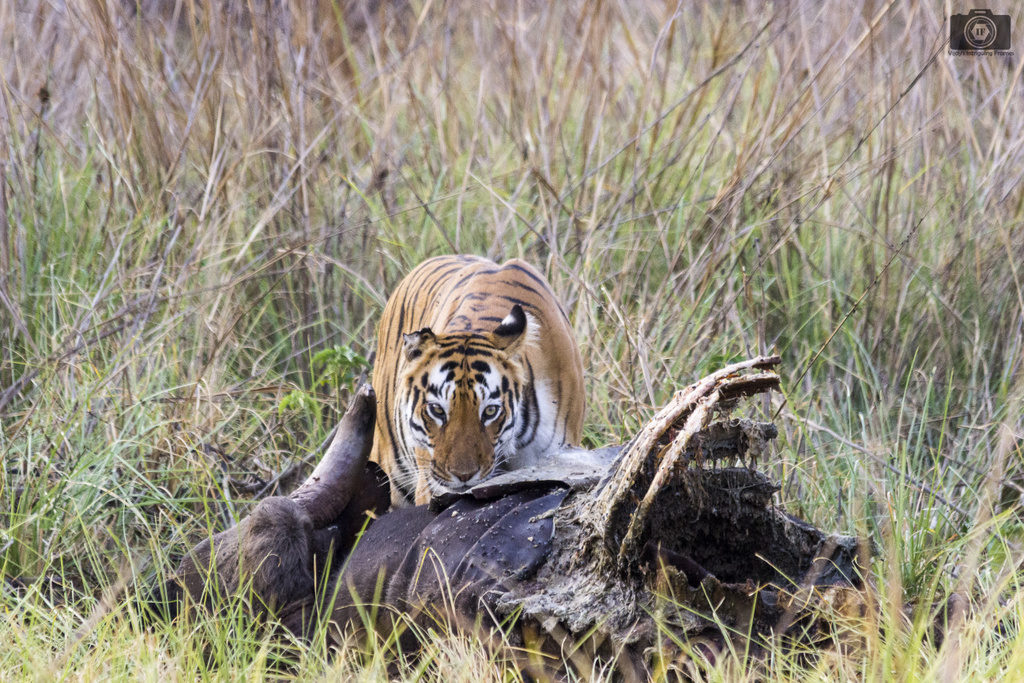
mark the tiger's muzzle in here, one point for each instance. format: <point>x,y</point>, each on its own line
<point>464,449</point>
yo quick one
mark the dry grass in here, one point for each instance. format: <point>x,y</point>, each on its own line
<point>195,201</point>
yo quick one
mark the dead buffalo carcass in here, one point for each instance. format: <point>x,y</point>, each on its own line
<point>620,547</point>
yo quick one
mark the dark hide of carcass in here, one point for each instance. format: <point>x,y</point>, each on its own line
<point>627,548</point>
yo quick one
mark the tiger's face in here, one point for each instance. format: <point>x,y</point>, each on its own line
<point>458,404</point>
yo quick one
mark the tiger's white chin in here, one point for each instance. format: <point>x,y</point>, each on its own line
<point>439,487</point>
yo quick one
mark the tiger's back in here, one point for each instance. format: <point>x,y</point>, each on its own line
<point>476,368</point>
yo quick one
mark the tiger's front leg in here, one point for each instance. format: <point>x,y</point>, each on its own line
<point>424,461</point>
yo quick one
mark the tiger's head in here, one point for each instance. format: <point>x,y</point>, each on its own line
<point>457,403</point>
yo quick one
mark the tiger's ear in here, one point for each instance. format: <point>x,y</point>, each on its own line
<point>415,341</point>
<point>511,332</point>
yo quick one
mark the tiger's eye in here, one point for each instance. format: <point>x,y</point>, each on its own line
<point>436,410</point>
<point>491,412</point>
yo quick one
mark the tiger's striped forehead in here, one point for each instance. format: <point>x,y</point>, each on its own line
<point>485,377</point>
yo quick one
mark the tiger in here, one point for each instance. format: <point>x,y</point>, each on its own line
<point>476,371</point>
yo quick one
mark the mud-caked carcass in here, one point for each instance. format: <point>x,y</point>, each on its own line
<point>659,548</point>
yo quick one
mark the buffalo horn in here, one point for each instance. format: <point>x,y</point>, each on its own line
<point>329,488</point>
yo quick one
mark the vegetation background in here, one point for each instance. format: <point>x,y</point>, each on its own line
<point>204,205</point>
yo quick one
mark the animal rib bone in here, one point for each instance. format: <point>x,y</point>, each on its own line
<point>692,408</point>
